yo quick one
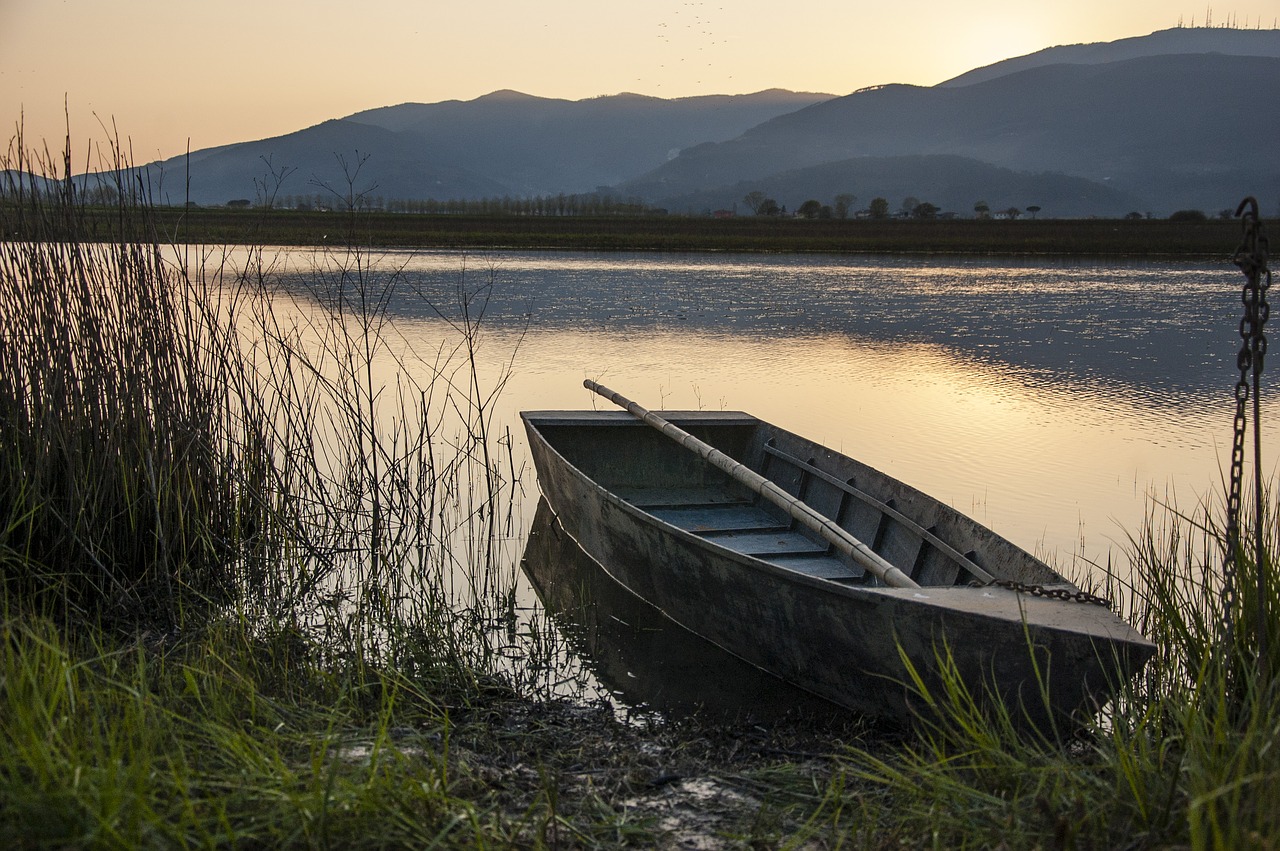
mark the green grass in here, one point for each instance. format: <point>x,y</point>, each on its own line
<point>258,592</point>
<point>217,742</point>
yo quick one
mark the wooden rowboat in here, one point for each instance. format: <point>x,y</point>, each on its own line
<point>821,570</point>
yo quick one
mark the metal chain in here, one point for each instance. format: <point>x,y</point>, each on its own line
<point>1251,258</point>
<point>1051,593</point>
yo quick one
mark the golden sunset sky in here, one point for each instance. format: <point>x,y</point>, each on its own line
<point>173,73</point>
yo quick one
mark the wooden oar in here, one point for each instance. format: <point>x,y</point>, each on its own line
<point>844,543</point>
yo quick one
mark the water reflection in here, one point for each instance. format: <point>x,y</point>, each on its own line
<point>1157,329</point>
<point>646,661</point>
<point>1047,399</point>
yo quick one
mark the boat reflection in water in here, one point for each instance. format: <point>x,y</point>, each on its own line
<point>647,661</point>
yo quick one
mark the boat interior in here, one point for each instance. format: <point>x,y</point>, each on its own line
<point>928,541</point>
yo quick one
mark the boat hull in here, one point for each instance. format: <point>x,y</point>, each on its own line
<point>640,656</point>
<point>862,646</point>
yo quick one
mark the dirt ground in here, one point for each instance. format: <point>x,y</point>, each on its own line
<point>694,783</point>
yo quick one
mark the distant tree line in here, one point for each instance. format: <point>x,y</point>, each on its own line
<point>14,184</point>
<point>842,207</point>
<point>589,204</point>
<point>101,193</point>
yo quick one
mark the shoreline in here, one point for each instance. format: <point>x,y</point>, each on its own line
<point>1153,238</point>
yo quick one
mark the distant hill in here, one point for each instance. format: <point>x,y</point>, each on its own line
<point>1181,118</point>
<point>539,146</point>
<point>1179,41</point>
<point>950,182</point>
<point>505,143</point>
<point>1167,131</point>
<point>317,162</point>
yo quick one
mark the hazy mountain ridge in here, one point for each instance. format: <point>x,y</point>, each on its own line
<point>1179,118</point>
<point>1115,123</point>
<point>334,158</point>
<point>1181,40</point>
<point>502,144</point>
<point>950,182</point>
<point>540,146</point>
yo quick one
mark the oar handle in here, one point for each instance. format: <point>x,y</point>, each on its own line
<point>827,528</point>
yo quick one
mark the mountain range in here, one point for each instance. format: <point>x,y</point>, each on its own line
<point>1182,118</point>
<point>503,144</point>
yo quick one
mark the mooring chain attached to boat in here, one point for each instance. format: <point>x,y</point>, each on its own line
<point>1050,593</point>
<point>1251,258</point>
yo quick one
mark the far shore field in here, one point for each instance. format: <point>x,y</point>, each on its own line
<point>1067,237</point>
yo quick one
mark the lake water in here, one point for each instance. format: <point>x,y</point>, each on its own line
<point>1051,400</point>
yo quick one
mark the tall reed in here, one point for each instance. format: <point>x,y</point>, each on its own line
<point>119,471</point>
<point>184,435</point>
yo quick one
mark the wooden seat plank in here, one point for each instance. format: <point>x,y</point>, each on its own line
<point>770,543</point>
<point>655,498</point>
<point>720,518</point>
<point>825,567</point>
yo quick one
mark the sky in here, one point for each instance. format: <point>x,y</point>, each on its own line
<point>165,76</point>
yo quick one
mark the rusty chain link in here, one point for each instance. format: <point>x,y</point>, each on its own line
<point>1251,258</point>
<point>1050,593</point>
